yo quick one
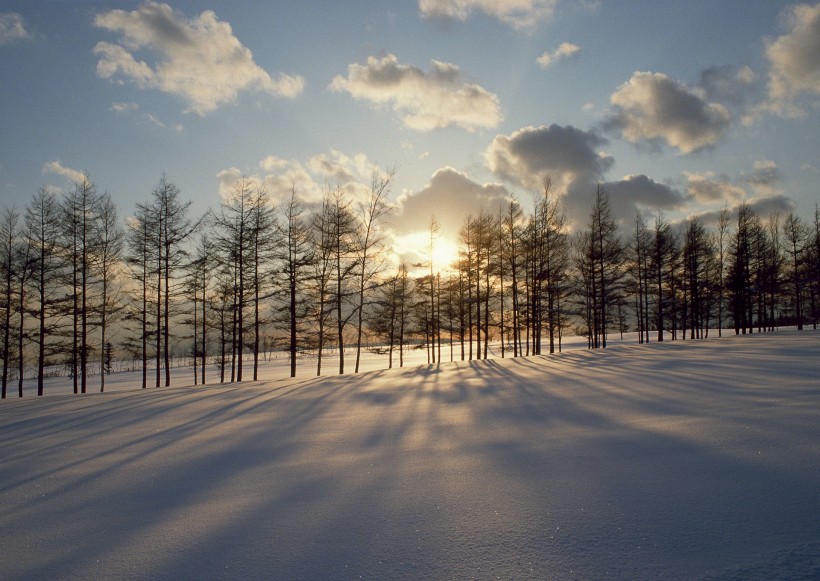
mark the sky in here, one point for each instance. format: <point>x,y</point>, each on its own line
<point>674,107</point>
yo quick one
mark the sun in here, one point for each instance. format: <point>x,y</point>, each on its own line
<point>445,253</point>
<point>415,248</point>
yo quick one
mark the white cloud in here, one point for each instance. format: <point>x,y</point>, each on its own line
<point>517,13</point>
<point>424,100</point>
<point>564,51</point>
<point>655,108</point>
<point>310,179</point>
<point>795,60</point>
<point>56,167</point>
<point>12,28</point>
<point>199,60</point>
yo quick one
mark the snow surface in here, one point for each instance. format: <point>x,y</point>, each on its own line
<point>685,460</point>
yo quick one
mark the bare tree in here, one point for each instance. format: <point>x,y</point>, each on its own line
<point>796,237</point>
<point>80,231</point>
<point>512,230</point>
<point>108,264</point>
<point>370,258</point>
<point>608,257</point>
<point>173,227</point>
<point>342,239</point>
<point>43,233</point>
<point>722,233</point>
<point>296,255</point>
<point>8,248</point>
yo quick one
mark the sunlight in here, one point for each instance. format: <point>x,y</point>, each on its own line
<point>415,249</point>
<point>445,253</point>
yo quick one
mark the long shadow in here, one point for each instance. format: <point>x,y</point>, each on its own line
<point>512,469</point>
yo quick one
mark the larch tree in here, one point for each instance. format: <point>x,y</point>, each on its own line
<point>9,240</point>
<point>722,244</point>
<point>295,256</point>
<point>173,228</point>
<point>80,232</point>
<point>342,238</point>
<point>108,265</point>
<point>43,233</point>
<point>263,241</point>
<point>320,292</point>
<point>552,259</point>
<point>663,265</point>
<point>140,260</point>
<point>795,237</point>
<point>607,254</point>
<point>512,232</point>
<point>370,258</point>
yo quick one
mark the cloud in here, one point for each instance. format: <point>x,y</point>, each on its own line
<point>641,192</point>
<point>12,29</point>
<point>568,155</point>
<point>651,107</point>
<point>56,167</point>
<point>199,60</point>
<point>766,177</point>
<point>564,51</point>
<point>727,84</point>
<point>122,108</point>
<point>795,60</point>
<point>763,207</point>
<point>766,205</point>
<point>310,179</point>
<point>706,188</point>
<point>424,100</point>
<point>451,196</point>
<point>516,13</point>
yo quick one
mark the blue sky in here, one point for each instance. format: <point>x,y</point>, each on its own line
<point>679,107</point>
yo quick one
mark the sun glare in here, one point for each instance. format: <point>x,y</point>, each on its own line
<point>445,254</point>
<point>415,248</point>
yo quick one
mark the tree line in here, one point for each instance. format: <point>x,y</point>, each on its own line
<point>82,288</point>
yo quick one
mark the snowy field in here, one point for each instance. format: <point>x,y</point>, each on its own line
<point>685,460</point>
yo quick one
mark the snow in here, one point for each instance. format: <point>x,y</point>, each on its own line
<point>684,460</point>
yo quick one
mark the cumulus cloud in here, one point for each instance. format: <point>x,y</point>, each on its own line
<point>451,195</point>
<point>565,153</point>
<point>424,100</point>
<point>570,157</point>
<point>12,28</point>
<point>564,51</point>
<point>795,60</point>
<point>516,13</point>
<point>707,188</point>
<point>199,59</point>
<point>56,167</point>
<point>310,179</point>
<point>651,107</point>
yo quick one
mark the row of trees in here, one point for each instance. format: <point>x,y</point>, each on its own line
<point>527,279</point>
<point>81,288</point>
